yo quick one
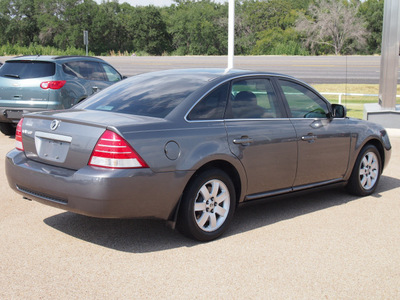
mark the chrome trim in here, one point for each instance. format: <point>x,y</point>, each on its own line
<point>258,119</point>
<point>55,124</point>
<point>28,102</point>
<point>53,136</point>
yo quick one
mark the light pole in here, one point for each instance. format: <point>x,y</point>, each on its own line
<point>386,112</point>
<point>231,34</point>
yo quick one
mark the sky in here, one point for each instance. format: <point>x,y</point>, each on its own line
<point>152,2</point>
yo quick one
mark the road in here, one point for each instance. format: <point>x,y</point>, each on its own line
<point>326,245</point>
<point>312,69</point>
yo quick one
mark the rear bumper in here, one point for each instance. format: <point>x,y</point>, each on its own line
<point>131,193</point>
<point>13,115</point>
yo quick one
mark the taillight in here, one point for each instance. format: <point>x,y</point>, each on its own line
<point>112,151</point>
<point>18,136</point>
<point>54,85</point>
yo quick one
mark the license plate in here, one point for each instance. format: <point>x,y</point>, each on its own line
<point>52,147</point>
<point>13,114</point>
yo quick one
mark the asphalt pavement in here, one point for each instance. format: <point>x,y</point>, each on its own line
<point>311,69</point>
<point>325,245</point>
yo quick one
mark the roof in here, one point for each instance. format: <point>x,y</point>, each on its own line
<point>53,58</point>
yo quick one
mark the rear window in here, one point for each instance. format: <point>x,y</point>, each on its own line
<point>151,94</point>
<point>27,69</point>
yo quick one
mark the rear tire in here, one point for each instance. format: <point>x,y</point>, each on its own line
<point>208,205</point>
<point>7,128</point>
<point>366,172</point>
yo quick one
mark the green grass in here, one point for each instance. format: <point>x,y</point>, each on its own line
<point>354,104</point>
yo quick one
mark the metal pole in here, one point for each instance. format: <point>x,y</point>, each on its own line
<point>86,40</point>
<point>389,55</point>
<point>231,34</point>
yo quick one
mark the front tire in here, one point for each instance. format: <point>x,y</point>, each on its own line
<point>208,205</point>
<point>366,173</point>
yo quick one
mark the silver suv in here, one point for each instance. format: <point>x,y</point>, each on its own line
<point>37,83</point>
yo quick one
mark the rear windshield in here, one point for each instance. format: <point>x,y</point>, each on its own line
<point>151,94</point>
<point>27,69</point>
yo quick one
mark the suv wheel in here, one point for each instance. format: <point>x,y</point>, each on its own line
<point>7,128</point>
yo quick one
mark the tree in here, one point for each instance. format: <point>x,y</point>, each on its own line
<point>261,24</point>
<point>17,21</point>
<point>196,29</point>
<point>276,41</point>
<point>333,23</point>
<point>372,12</point>
<point>149,31</point>
<point>62,22</point>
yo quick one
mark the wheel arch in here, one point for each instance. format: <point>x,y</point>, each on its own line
<point>374,142</point>
<point>378,145</point>
<point>224,166</point>
<point>228,168</point>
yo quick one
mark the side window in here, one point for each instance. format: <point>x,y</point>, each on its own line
<point>253,98</point>
<point>212,106</point>
<point>303,103</point>
<point>85,69</point>
<point>111,73</point>
<point>72,68</point>
<point>95,71</point>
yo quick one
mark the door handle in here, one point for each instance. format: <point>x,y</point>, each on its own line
<point>95,89</point>
<point>309,138</point>
<point>244,140</point>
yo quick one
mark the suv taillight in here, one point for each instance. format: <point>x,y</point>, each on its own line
<point>54,85</point>
<point>112,151</point>
<point>18,136</point>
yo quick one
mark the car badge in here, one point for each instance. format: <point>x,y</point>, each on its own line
<point>54,124</point>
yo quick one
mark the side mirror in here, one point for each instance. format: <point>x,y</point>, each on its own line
<point>338,111</point>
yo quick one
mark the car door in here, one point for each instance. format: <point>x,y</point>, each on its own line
<point>323,141</point>
<point>261,136</point>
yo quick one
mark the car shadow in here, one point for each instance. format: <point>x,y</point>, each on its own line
<point>143,236</point>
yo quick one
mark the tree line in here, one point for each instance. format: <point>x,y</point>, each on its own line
<point>190,27</point>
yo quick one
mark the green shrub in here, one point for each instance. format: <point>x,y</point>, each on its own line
<point>35,49</point>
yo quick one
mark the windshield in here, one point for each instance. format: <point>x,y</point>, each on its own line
<point>152,94</point>
<point>27,69</point>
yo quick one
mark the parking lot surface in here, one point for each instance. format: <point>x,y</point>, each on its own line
<point>323,245</point>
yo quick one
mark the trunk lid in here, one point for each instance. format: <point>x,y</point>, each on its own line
<point>67,138</point>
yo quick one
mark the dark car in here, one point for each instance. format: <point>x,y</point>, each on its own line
<point>37,83</point>
<point>189,146</point>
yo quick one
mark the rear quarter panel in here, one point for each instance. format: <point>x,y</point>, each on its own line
<point>199,143</point>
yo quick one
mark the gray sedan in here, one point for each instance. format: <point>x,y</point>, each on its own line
<point>190,146</point>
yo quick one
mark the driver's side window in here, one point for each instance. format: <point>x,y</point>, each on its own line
<point>303,103</point>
